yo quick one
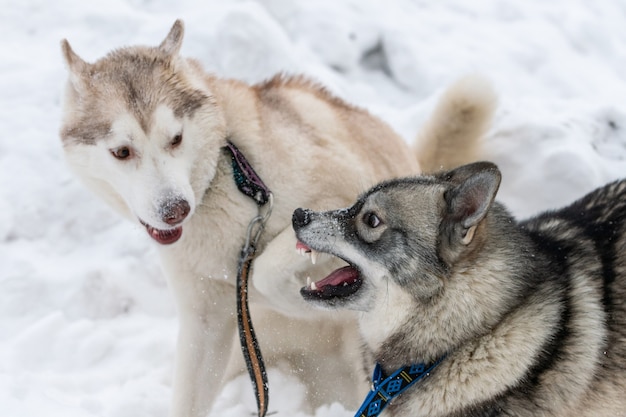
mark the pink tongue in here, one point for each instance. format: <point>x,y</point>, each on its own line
<point>300,245</point>
<point>347,274</point>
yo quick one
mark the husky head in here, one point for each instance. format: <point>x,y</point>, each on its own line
<point>143,131</point>
<point>404,234</point>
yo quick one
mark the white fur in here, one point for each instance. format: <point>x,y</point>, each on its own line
<point>318,161</point>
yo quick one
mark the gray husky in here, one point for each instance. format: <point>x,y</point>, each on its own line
<point>466,311</point>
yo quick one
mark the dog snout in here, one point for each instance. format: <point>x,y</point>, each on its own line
<point>301,217</point>
<point>175,211</point>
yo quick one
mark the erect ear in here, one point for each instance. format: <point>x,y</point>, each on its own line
<point>172,42</point>
<point>76,65</point>
<point>469,200</point>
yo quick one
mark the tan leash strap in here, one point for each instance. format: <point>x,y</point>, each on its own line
<point>249,343</point>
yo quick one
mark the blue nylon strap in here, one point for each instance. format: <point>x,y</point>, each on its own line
<point>385,390</point>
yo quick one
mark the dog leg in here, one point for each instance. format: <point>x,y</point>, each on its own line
<point>320,346</point>
<point>280,272</point>
<point>205,342</point>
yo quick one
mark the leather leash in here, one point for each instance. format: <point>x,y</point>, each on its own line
<point>250,184</point>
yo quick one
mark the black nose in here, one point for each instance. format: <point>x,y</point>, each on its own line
<point>301,217</point>
<point>174,212</point>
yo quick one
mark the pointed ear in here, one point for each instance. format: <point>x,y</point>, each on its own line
<point>469,200</point>
<point>74,62</point>
<point>172,42</point>
<point>77,66</point>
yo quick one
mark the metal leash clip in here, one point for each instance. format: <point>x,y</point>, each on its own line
<point>260,220</point>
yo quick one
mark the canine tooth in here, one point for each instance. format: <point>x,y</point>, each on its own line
<point>308,281</point>
<point>314,257</point>
<point>313,286</point>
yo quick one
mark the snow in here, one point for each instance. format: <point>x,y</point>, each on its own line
<point>87,325</point>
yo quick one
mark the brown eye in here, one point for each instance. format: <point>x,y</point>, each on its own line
<point>123,152</point>
<point>372,220</point>
<point>176,140</point>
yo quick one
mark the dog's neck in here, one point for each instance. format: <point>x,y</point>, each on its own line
<point>390,332</point>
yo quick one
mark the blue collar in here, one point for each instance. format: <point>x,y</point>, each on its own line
<point>385,390</point>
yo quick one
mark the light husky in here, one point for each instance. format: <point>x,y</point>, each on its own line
<point>146,129</point>
<point>515,319</point>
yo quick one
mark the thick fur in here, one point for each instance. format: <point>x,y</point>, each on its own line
<point>439,137</point>
<point>146,128</point>
<point>531,316</point>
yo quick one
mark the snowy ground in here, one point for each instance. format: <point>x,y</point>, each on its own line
<point>87,325</point>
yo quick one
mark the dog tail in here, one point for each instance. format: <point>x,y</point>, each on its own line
<point>453,134</point>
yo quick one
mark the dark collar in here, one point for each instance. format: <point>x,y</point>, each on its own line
<point>247,180</point>
<point>386,389</point>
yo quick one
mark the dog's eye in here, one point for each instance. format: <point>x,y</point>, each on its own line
<point>372,220</point>
<point>123,152</point>
<point>176,140</point>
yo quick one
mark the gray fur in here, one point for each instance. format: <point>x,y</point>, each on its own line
<point>531,315</point>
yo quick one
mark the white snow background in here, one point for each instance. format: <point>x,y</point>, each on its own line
<point>87,325</point>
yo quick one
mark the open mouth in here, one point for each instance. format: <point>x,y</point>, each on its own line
<point>164,237</point>
<point>341,283</point>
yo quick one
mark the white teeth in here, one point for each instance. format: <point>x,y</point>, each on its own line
<point>313,286</point>
<point>308,281</point>
<point>312,254</point>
